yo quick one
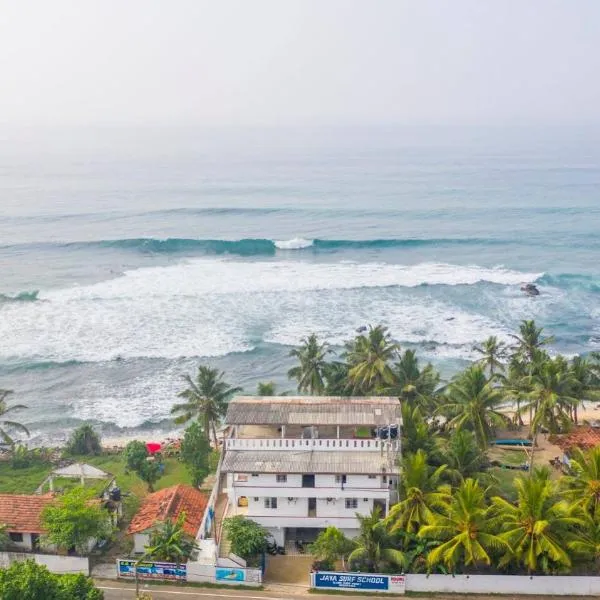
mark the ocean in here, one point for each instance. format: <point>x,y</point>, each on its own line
<point>130,256</point>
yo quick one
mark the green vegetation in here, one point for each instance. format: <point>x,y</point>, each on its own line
<point>27,580</point>
<point>22,481</point>
<point>74,519</point>
<point>84,441</point>
<point>7,425</point>
<point>248,538</point>
<point>138,460</point>
<point>195,452</point>
<point>461,508</point>
<point>174,473</point>
<point>170,543</point>
<point>206,399</point>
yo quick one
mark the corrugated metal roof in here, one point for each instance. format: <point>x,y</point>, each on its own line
<point>313,410</point>
<point>308,462</point>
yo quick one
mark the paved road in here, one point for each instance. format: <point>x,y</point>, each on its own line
<point>118,591</point>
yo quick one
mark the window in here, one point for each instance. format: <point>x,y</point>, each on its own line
<point>372,476</point>
<point>351,502</point>
<point>281,478</point>
<point>254,474</point>
<point>15,537</point>
<point>270,502</point>
<point>340,479</point>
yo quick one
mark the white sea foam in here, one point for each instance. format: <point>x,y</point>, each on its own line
<point>293,244</point>
<point>212,307</point>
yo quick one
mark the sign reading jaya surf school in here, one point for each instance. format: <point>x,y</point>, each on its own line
<point>364,582</point>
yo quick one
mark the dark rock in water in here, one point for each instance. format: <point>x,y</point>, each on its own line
<point>530,289</point>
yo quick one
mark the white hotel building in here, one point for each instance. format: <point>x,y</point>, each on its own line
<point>297,465</point>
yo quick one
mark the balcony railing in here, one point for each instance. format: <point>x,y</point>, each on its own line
<point>311,444</point>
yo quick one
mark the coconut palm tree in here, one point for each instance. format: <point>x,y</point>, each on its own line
<point>206,398</point>
<point>582,487</point>
<point>465,528</point>
<point>417,434</point>
<point>413,384</point>
<point>310,372</point>
<point>463,457</point>
<point>169,542</point>
<point>516,385</point>
<point>584,542</point>
<point>529,340</point>
<point>552,397</point>
<point>493,355</point>
<point>7,425</point>
<point>537,527</point>
<point>473,403</point>
<point>369,357</point>
<point>585,384</point>
<point>374,545</point>
<point>336,379</point>
<point>422,494</point>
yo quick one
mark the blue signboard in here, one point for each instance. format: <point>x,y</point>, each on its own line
<point>360,581</point>
<point>230,574</point>
<point>152,570</point>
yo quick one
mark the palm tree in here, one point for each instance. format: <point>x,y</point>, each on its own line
<point>369,357</point>
<point>422,494</point>
<point>336,379</point>
<point>463,457</point>
<point>537,527</point>
<point>169,542</point>
<point>529,340</point>
<point>473,404</point>
<point>374,545</point>
<point>465,529</point>
<point>309,373</point>
<point>5,424</point>
<point>584,542</point>
<point>585,384</point>
<point>417,434</point>
<point>493,355</point>
<point>552,396</point>
<point>516,385</point>
<point>582,487</point>
<point>412,384</point>
<point>206,398</point>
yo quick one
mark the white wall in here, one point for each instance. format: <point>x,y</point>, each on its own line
<point>278,534</point>
<point>337,507</point>
<point>55,563</point>
<point>140,541</point>
<point>285,508</point>
<point>25,544</point>
<point>504,584</point>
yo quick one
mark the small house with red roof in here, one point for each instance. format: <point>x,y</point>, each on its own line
<point>22,517</point>
<point>167,504</point>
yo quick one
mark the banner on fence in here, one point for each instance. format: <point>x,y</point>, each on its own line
<point>152,570</point>
<point>230,574</point>
<point>364,582</point>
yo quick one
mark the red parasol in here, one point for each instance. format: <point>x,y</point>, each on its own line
<point>153,447</point>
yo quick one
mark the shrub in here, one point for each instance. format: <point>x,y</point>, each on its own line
<point>84,441</point>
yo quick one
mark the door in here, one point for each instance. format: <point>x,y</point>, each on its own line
<point>312,507</point>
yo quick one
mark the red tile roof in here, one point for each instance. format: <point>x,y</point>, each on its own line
<point>581,437</point>
<point>169,504</point>
<point>22,514</point>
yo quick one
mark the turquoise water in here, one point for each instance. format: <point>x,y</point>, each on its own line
<point>128,257</point>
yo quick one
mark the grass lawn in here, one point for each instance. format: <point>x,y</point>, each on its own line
<point>22,481</point>
<point>505,479</point>
<point>175,472</point>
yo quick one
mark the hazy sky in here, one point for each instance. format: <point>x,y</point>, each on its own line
<point>307,61</point>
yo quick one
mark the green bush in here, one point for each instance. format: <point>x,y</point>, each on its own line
<point>84,441</point>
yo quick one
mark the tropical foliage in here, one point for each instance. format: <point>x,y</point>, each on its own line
<point>454,513</point>
<point>84,441</point>
<point>169,542</point>
<point>7,425</point>
<point>248,538</point>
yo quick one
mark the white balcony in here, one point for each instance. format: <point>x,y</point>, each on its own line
<point>326,445</point>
